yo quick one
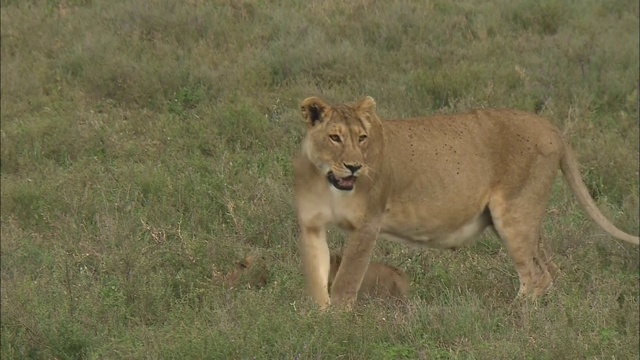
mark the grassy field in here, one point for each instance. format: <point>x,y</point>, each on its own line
<point>146,148</point>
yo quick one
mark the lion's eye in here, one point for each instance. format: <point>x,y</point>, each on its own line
<point>362,138</point>
<point>335,138</point>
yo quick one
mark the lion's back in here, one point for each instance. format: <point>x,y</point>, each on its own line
<point>475,147</point>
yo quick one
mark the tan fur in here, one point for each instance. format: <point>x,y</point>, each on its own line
<point>429,182</point>
<point>251,270</point>
<point>380,280</point>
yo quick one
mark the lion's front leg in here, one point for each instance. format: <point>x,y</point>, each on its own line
<point>315,262</point>
<point>353,267</point>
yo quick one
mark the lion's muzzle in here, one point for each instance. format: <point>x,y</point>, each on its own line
<point>344,184</point>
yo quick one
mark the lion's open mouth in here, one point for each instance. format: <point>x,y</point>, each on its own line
<point>341,183</point>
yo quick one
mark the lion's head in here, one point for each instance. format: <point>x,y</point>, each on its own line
<point>342,140</point>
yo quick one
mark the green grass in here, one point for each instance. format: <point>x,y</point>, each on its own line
<point>146,146</point>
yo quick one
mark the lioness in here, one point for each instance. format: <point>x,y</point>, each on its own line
<point>432,182</point>
<point>380,280</point>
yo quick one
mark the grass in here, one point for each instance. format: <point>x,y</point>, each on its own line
<point>146,145</point>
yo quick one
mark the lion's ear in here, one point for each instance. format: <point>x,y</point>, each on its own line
<point>366,105</point>
<point>246,262</point>
<point>313,109</point>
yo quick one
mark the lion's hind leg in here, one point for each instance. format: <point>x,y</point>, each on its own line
<point>522,239</point>
<point>517,220</point>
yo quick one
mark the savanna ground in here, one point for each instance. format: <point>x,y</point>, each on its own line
<point>146,148</point>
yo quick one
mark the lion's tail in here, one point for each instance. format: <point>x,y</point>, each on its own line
<point>569,166</point>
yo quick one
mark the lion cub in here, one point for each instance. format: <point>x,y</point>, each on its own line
<point>380,280</point>
<point>251,270</point>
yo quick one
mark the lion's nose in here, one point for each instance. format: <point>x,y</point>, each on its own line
<point>353,168</point>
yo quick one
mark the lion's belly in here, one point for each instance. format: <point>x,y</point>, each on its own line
<point>412,231</point>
